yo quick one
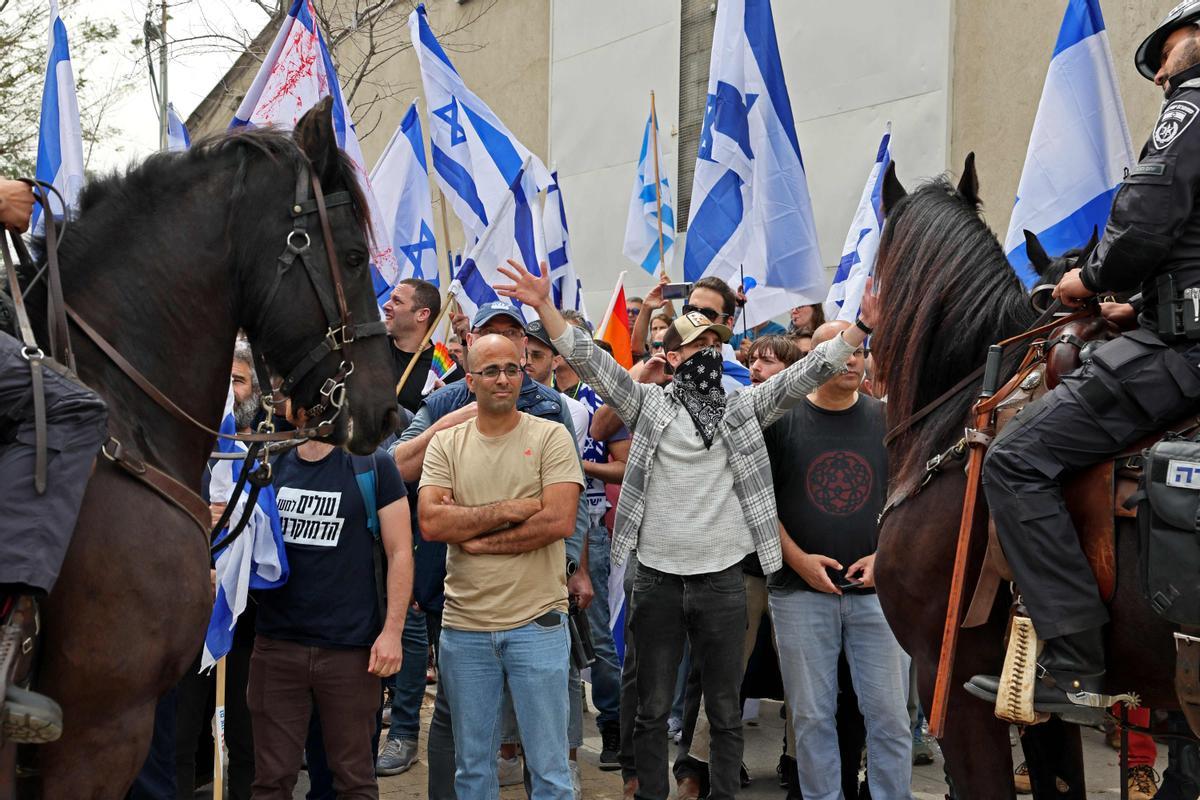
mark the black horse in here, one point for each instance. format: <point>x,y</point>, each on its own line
<point>167,262</point>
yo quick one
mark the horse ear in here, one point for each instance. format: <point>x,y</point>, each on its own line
<point>1037,253</point>
<point>968,184</point>
<point>893,191</point>
<point>314,133</point>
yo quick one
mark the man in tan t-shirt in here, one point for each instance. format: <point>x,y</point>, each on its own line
<point>502,490</point>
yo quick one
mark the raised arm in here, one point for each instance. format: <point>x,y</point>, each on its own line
<point>443,520</point>
<point>594,366</point>
<point>555,520</point>
<point>641,326</point>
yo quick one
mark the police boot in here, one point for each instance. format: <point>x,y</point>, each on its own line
<point>1070,676</point>
<point>26,717</point>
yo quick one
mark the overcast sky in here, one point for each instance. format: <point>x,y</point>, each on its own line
<point>194,68</point>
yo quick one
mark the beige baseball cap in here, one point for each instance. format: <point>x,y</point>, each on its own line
<point>689,327</point>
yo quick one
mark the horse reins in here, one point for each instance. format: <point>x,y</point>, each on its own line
<point>342,331</point>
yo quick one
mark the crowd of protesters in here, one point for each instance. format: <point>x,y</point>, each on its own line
<point>746,473</point>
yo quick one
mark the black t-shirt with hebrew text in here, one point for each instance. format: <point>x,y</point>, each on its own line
<point>329,599</point>
<point>830,471</point>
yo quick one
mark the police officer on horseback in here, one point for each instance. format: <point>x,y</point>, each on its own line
<point>36,521</point>
<point>1130,387</point>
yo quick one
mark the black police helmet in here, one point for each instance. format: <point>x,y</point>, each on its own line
<point>1148,57</point>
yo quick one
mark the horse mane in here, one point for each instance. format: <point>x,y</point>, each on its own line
<point>164,172</point>
<point>948,293</point>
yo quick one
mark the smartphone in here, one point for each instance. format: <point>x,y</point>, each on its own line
<point>676,291</point>
<point>844,584</point>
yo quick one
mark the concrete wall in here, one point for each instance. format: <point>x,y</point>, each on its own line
<point>1001,52</point>
<point>844,85</point>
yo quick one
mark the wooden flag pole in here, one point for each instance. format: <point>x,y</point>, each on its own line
<point>412,362</point>
<point>219,733</point>
<point>662,254</point>
<point>446,237</point>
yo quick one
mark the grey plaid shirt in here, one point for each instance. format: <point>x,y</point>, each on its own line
<point>648,409</point>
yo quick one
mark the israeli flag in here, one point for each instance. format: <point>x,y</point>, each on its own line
<point>513,233</point>
<point>476,159</point>
<point>297,73</point>
<point>862,241</point>
<point>618,607</point>
<point>750,204</point>
<point>401,179</point>
<point>1079,148</point>
<point>177,133</point>
<point>255,560</point>
<point>641,226</point>
<point>565,285</point>
<point>60,139</point>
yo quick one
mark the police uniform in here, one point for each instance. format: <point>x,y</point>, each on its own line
<point>1129,387</point>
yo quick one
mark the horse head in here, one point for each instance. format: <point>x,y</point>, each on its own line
<point>326,341</point>
<point>947,292</point>
<point>1051,270</point>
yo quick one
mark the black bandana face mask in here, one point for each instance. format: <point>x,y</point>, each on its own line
<point>697,384</point>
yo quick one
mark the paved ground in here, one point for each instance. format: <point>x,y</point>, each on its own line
<point>763,737</point>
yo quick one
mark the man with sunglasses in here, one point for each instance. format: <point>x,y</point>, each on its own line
<point>502,491</point>
<point>696,499</point>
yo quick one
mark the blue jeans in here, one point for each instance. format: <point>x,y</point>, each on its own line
<point>532,660</point>
<point>811,631</point>
<point>606,669</point>
<point>409,686</point>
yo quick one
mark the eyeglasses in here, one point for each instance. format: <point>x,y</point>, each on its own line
<point>656,345</point>
<point>493,372</point>
<point>711,313</point>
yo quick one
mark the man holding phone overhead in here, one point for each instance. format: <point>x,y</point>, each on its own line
<point>830,470</point>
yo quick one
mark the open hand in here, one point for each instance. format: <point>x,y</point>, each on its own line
<point>527,288</point>
<point>868,311</point>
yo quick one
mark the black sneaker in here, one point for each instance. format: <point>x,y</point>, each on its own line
<point>610,750</point>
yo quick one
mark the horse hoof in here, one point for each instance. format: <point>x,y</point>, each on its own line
<point>29,718</point>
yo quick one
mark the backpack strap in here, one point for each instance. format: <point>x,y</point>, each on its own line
<point>365,475</point>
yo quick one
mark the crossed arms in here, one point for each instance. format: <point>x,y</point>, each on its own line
<point>505,527</point>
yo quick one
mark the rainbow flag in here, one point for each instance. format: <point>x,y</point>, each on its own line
<point>443,364</point>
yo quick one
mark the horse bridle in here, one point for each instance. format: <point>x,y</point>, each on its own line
<point>342,332</point>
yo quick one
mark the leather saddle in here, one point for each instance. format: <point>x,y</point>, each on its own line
<point>1095,496</point>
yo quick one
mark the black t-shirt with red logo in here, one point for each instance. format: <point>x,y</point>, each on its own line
<point>830,470</point>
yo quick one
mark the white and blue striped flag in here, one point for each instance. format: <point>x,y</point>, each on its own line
<point>565,285</point>
<point>1080,145</point>
<point>512,233</point>
<point>60,138</point>
<point>255,560</point>
<point>750,205</point>
<point>475,157</point>
<point>401,181</point>
<point>862,241</point>
<point>177,133</point>
<point>294,76</point>
<point>641,226</point>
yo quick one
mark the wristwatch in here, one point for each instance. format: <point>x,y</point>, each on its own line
<point>862,326</point>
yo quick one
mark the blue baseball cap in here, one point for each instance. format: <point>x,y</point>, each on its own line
<point>494,309</point>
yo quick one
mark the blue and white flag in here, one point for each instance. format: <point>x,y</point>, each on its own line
<point>862,241</point>
<point>511,234</point>
<point>475,157</point>
<point>255,560</point>
<point>641,226</point>
<point>401,181</point>
<point>297,73</point>
<point>750,205</point>
<point>177,133</point>
<point>60,138</point>
<point>565,285</point>
<point>1079,148</point>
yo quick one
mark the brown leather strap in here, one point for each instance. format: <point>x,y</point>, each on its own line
<point>181,496</point>
<point>56,320</point>
<point>157,396</point>
<point>34,356</point>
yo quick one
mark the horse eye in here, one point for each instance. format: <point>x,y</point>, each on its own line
<point>355,259</point>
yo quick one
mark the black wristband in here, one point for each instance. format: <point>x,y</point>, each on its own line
<point>862,326</point>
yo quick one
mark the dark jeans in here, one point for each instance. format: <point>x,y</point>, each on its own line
<point>708,611</point>
<point>628,706</point>
<point>440,752</point>
<point>285,681</point>
<point>409,686</point>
